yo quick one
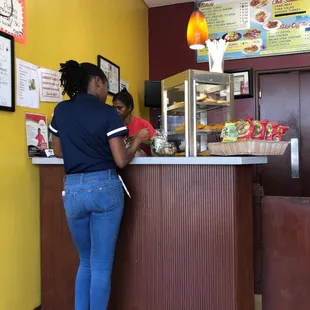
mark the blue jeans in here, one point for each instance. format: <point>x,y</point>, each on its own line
<point>94,204</point>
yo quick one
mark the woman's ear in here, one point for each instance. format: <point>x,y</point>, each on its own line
<point>98,81</point>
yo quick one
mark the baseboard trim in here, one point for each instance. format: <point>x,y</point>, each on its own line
<point>38,308</point>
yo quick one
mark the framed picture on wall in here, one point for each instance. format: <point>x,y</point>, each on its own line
<point>112,72</point>
<point>243,83</point>
<point>7,73</point>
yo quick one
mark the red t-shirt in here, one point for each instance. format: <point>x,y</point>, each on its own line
<point>136,125</point>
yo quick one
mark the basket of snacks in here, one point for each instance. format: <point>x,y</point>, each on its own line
<point>251,137</point>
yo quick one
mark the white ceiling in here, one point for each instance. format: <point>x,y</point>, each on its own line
<point>154,3</point>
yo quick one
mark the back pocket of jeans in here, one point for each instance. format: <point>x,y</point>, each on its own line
<point>105,197</point>
<point>69,201</point>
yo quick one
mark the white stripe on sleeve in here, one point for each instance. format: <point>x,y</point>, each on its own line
<point>112,132</point>
<point>52,129</point>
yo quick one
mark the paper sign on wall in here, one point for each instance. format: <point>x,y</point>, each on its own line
<point>37,133</point>
<point>124,84</point>
<point>6,99</point>
<point>50,90</point>
<point>13,19</point>
<point>27,84</point>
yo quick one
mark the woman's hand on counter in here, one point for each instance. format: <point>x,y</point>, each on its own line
<point>123,156</point>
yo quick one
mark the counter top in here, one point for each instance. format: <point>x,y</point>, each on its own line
<point>209,160</point>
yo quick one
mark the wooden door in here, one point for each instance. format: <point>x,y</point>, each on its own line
<point>304,87</point>
<point>280,102</point>
<point>285,215</point>
<point>286,253</point>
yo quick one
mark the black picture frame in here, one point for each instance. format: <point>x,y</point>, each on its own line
<point>107,66</point>
<point>243,75</point>
<point>7,42</point>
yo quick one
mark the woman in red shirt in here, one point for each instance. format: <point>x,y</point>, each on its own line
<point>124,104</point>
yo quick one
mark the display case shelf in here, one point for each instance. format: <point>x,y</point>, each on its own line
<point>200,97</point>
<point>201,106</point>
<point>199,132</point>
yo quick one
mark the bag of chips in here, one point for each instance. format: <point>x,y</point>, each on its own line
<point>229,132</point>
<point>271,131</point>
<point>280,132</point>
<point>245,129</point>
<point>260,128</point>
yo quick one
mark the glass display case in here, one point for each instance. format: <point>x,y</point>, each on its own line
<point>203,101</point>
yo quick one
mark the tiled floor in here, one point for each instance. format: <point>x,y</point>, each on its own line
<point>258,302</point>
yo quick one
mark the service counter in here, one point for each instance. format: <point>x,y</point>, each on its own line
<point>186,239</point>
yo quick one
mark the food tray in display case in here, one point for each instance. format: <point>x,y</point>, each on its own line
<point>249,147</point>
<point>205,100</point>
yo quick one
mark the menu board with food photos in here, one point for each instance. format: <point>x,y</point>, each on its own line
<point>256,28</point>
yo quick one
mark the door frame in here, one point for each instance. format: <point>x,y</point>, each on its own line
<point>257,201</point>
<point>257,74</point>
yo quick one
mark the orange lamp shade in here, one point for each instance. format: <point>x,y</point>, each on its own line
<point>197,31</point>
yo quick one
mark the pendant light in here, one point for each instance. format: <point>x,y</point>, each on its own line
<point>197,30</point>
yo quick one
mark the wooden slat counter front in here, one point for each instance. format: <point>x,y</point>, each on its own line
<point>185,241</point>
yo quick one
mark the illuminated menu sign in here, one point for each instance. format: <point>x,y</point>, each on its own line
<point>256,28</point>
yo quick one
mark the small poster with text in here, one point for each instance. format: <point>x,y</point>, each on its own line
<point>36,134</point>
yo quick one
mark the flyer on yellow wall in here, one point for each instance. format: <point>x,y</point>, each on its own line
<point>36,133</point>
<point>256,28</point>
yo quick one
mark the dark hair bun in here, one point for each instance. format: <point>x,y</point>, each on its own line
<point>75,77</point>
<point>70,65</point>
<point>126,98</point>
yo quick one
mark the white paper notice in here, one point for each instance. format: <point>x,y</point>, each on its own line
<point>50,90</point>
<point>27,84</point>
<point>124,84</point>
<point>5,73</point>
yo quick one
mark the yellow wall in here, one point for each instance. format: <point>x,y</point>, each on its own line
<point>57,30</point>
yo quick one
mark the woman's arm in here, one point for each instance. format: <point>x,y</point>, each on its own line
<point>123,156</point>
<point>56,146</point>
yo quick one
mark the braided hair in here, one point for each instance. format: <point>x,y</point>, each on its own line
<point>75,77</point>
<point>126,98</point>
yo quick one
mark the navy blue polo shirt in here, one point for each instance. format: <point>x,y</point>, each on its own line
<point>84,126</point>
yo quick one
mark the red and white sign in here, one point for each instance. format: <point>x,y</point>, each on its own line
<point>50,89</point>
<point>37,133</point>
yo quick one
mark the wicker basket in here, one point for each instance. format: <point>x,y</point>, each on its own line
<point>249,147</point>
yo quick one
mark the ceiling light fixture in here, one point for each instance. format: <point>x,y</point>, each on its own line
<point>197,30</point>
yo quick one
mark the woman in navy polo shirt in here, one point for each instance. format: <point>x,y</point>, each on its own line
<point>89,135</point>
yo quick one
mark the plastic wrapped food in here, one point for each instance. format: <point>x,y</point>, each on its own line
<point>159,138</point>
<point>280,132</point>
<point>271,131</point>
<point>260,128</point>
<point>245,129</point>
<point>166,149</point>
<point>229,132</point>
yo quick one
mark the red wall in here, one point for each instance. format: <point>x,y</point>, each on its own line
<point>169,53</point>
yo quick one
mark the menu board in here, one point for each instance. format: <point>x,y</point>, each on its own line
<point>256,28</point>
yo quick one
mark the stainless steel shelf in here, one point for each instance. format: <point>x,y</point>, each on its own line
<point>199,132</point>
<point>201,106</point>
